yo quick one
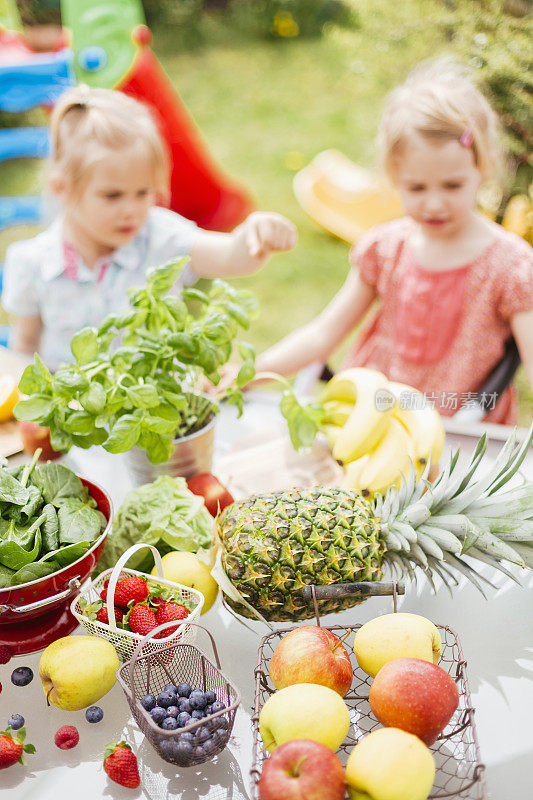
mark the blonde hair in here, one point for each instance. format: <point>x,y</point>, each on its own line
<point>87,123</point>
<point>440,102</point>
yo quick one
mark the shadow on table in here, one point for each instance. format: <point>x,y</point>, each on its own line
<point>511,778</point>
<point>218,779</point>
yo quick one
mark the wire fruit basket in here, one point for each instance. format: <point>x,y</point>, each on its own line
<point>459,773</point>
<point>180,663</point>
<point>125,641</point>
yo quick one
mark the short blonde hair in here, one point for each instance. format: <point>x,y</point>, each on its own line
<point>87,123</point>
<point>440,102</point>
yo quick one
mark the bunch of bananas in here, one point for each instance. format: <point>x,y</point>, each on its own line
<point>376,428</point>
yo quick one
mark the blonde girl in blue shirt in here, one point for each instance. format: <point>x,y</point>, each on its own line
<point>109,170</point>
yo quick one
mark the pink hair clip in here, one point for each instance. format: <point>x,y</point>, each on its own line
<point>467,136</point>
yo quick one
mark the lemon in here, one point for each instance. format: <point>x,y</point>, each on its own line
<point>9,397</point>
<point>187,569</point>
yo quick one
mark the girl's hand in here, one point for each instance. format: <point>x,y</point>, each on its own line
<point>267,232</point>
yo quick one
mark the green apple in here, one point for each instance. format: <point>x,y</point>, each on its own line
<point>396,636</point>
<point>187,569</point>
<point>390,764</point>
<point>304,711</point>
<point>76,671</point>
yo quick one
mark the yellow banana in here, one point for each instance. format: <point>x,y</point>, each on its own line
<point>387,461</point>
<point>337,411</point>
<point>352,473</point>
<point>422,422</point>
<point>331,432</point>
<point>368,420</point>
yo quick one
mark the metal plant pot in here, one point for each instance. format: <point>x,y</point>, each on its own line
<point>192,454</point>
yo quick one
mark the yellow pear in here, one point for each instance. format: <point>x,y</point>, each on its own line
<point>396,636</point>
<point>76,671</point>
<point>189,570</point>
<point>390,764</point>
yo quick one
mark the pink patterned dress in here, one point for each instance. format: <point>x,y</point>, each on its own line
<point>441,331</point>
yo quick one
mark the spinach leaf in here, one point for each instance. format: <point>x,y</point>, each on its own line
<point>34,502</point>
<point>68,554</point>
<point>50,529</point>
<point>14,556</point>
<point>31,572</point>
<point>57,483</point>
<point>11,490</point>
<point>78,522</point>
<point>5,576</point>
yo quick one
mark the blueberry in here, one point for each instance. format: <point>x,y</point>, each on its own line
<point>184,751</point>
<point>94,714</point>
<point>219,723</point>
<point>169,724</point>
<point>210,747</point>
<point>173,711</point>
<point>170,687</point>
<point>199,752</point>
<point>184,705</point>
<point>187,737</point>
<point>208,710</point>
<point>183,719</point>
<point>218,706</point>
<point>220,737</point>
<point>197,699</point>
<point>197,714</point>
<point>210,697</point>
<point>184,690</point>
<point>16,721</point>
<point>148,702</point>
<point>168,749</point>
<point>158,714</point>
<point>21,676</point>
<point>202,735</point>
<point>166,699</point>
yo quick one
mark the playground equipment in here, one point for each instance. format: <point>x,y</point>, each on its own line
<point>343,197</point>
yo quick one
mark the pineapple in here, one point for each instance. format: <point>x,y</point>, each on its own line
<point>273,545</point>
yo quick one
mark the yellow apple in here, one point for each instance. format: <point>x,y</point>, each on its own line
<point>396,636</point>
<point>304,711</point>
<point>187,569</point>
<point>76,671</point>
<point>390,764</point>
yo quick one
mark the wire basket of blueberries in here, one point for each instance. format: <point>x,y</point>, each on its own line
<point>181,700</point>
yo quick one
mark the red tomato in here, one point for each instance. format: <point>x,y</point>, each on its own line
<point>216,496</point>
<point>34,436</point>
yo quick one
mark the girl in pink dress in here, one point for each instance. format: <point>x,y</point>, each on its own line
<point>451,286</point>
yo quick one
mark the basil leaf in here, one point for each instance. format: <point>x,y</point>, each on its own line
<point>79,422</point>
<point>124,434</point>
<point>84,345</point>
<point>143,396</point>
<point>66,380</point>
<point>36,409</point>
<point>246,374</point>
<point>31,382</point>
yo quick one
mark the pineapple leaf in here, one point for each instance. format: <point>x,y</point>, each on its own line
<point>514,463</point>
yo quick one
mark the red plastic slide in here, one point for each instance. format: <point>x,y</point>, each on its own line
<point>199,190</point>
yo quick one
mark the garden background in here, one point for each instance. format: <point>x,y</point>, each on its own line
<point>271,83</point>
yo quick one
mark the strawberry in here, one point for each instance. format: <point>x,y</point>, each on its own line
<point>142,619</point>
<point>103,593</point>
<point>102,615</point>
<point>134,588</point>
<point>12,749</point>
<point>121,764</point>
<point>168,612</point>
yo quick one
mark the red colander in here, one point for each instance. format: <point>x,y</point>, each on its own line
<point>34,614</point>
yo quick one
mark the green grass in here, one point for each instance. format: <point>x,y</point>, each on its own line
<point>261,105</point>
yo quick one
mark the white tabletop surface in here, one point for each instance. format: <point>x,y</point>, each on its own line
<point>496,636</point>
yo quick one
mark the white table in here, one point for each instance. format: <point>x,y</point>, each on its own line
<point>496,636</point>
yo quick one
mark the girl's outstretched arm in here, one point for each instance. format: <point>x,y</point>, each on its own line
<point>316,340</point>
<point>25,334</point>
<point>245,249</point>
<point>522,327</point>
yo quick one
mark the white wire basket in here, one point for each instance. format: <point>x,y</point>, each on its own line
<point>124,641</point>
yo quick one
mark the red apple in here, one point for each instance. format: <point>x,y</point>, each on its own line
<point>414,695</point>
<point>302,770</point>
<point>310,654</point>
<point>34,436</point>
<point>216,496</point>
